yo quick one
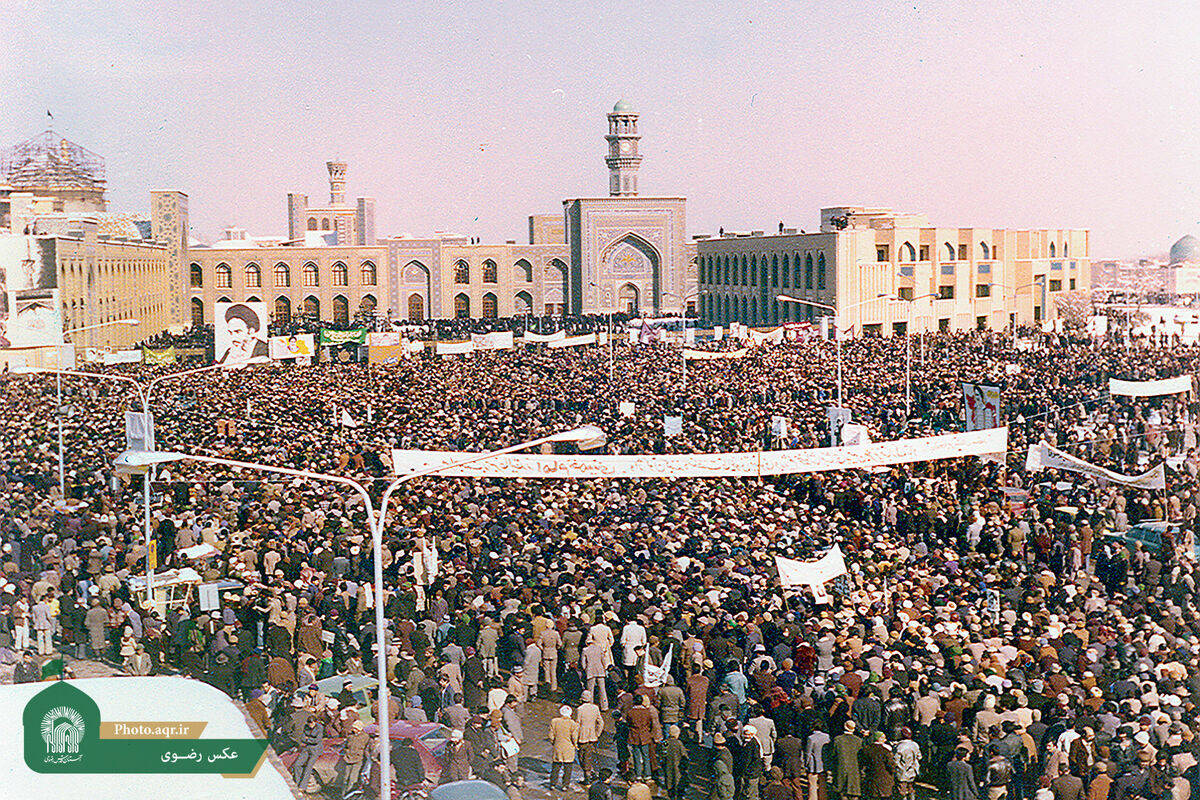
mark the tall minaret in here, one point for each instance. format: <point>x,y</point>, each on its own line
<point>337,182</point>
<point>623,158</point>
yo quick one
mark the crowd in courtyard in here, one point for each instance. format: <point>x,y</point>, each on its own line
<point>993,638</point>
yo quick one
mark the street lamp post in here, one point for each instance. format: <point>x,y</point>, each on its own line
<point>1040,280</point>
<point>58,409</point>
<point>610,329</point>
<point>683,299</point>
<point>144,392</point>
<point>586,437</point>
<point>908,350</point>
<point>837,321</point>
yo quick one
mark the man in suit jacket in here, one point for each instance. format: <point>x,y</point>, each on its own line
<point>1100,786</point>
<point>1067,787</point>
<point>879,769</point>
<point>846,776</point>
<point>962,779</point>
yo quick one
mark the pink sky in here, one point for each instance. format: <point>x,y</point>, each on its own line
<point>470,116</point>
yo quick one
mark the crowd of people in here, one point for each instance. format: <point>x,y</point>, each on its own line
<point>994,635</point>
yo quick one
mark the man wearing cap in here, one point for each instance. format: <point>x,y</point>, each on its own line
<point>564,736</point>
<point>591,725</point>
<point>352,758</point>
<point>847,779</point>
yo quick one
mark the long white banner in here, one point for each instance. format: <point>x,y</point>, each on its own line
<point>1043,456</point>
<point>530,337</point>
<point>455,348</point>
<point>1183,383</point>
<point>574,341</point>
<point>774,336</point>
<point>493,341</point>
<point>710,355</point>
<point>708,465</point>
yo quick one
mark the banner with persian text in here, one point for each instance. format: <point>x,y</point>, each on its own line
<point>500,340</point>
<point>573,341</point>
<point>1043,456</point>
<point>707,465</point>
<point>710,355</point>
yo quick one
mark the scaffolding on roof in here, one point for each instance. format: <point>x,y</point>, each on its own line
<point>49,161</point>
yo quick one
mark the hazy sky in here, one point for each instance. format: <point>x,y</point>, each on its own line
<point>470,116</point>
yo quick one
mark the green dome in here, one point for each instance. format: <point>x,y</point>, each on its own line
<point>622,108</point>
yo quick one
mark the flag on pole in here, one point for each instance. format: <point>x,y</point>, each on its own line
<point>347,420</point>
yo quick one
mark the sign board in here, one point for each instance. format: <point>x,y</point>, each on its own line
<point>210,598</point>
<point>139,431</point>
<point>779,427</point>
<point>626,408</point>
<point>672,426</point>
<point>838,419</point>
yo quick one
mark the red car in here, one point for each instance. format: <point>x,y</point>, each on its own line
<point>429,740</point>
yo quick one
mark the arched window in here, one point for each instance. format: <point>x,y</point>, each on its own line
<point>523,303</point>
<point>283,275</point>
<point>985,250</point>
<point>253,299</point>
<point>808,271</point>
<point>312,223</point>
<point>774,270</point>
<point>224,276</point>
<point>283,310</point>
<point>312,307</point>
<point>490,306</point>
<point>462,272</point>
<point>197,312</point>
<point>783,278</point>
<point>745,272</point>
<point>341,310</point>
<point>341,275</point>
<point>462,306</point>
<point>754,271</point>
<point>821,271</point>
<point>1066,252</point>
<point>311,276</point>
<point>1052,249</point>
<point>368,274</point>
<point>490,273</point>
<point>197,276</point>
<point>416,307</point>
<point>907,252</point>
<point>325,224</point>
<point>950,254</point>
<point>367,306</point>
<point>525,269</point>
<point>253,276</point>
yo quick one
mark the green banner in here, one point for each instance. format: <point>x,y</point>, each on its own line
<point>166,356</point>
<point>352,336</point>
<point>64,734</point>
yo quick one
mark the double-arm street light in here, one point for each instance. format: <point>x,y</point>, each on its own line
<point>837,321</point>
<point>58,410</point>
<point>586,437</point>
<point>683,300</point>
<point>144,391</point>
<point>610,329</point>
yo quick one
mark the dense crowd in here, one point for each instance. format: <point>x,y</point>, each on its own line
<point>994,635</point>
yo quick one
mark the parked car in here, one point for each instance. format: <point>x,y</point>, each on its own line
<point>1149,535</point>
<point>429,740</point>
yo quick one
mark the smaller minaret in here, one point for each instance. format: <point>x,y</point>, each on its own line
<point>623,158</point>
<point>337,182</point>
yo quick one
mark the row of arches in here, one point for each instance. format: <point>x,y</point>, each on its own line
<point>723,309</point>
<point>556,271</point>
<point>784,273</point>
<point>282,273</point>
<point>309,307</point>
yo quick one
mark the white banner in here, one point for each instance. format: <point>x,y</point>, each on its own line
<point>492,341</point>
<point>1150,388</point>
<point>139,431</point>
<point>981,406</point>
<point>574,341</point>
<point>707,465</point>
<point>811,573</point>
<point>414,347</point>
<point>382,339</point>
<point>1043,456</point>
<point>710,355</point>
<point>774,336</point>
<point>531,337</point>
<point>124,357</point>
<point>454,348</point>
<point>292,346</point>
